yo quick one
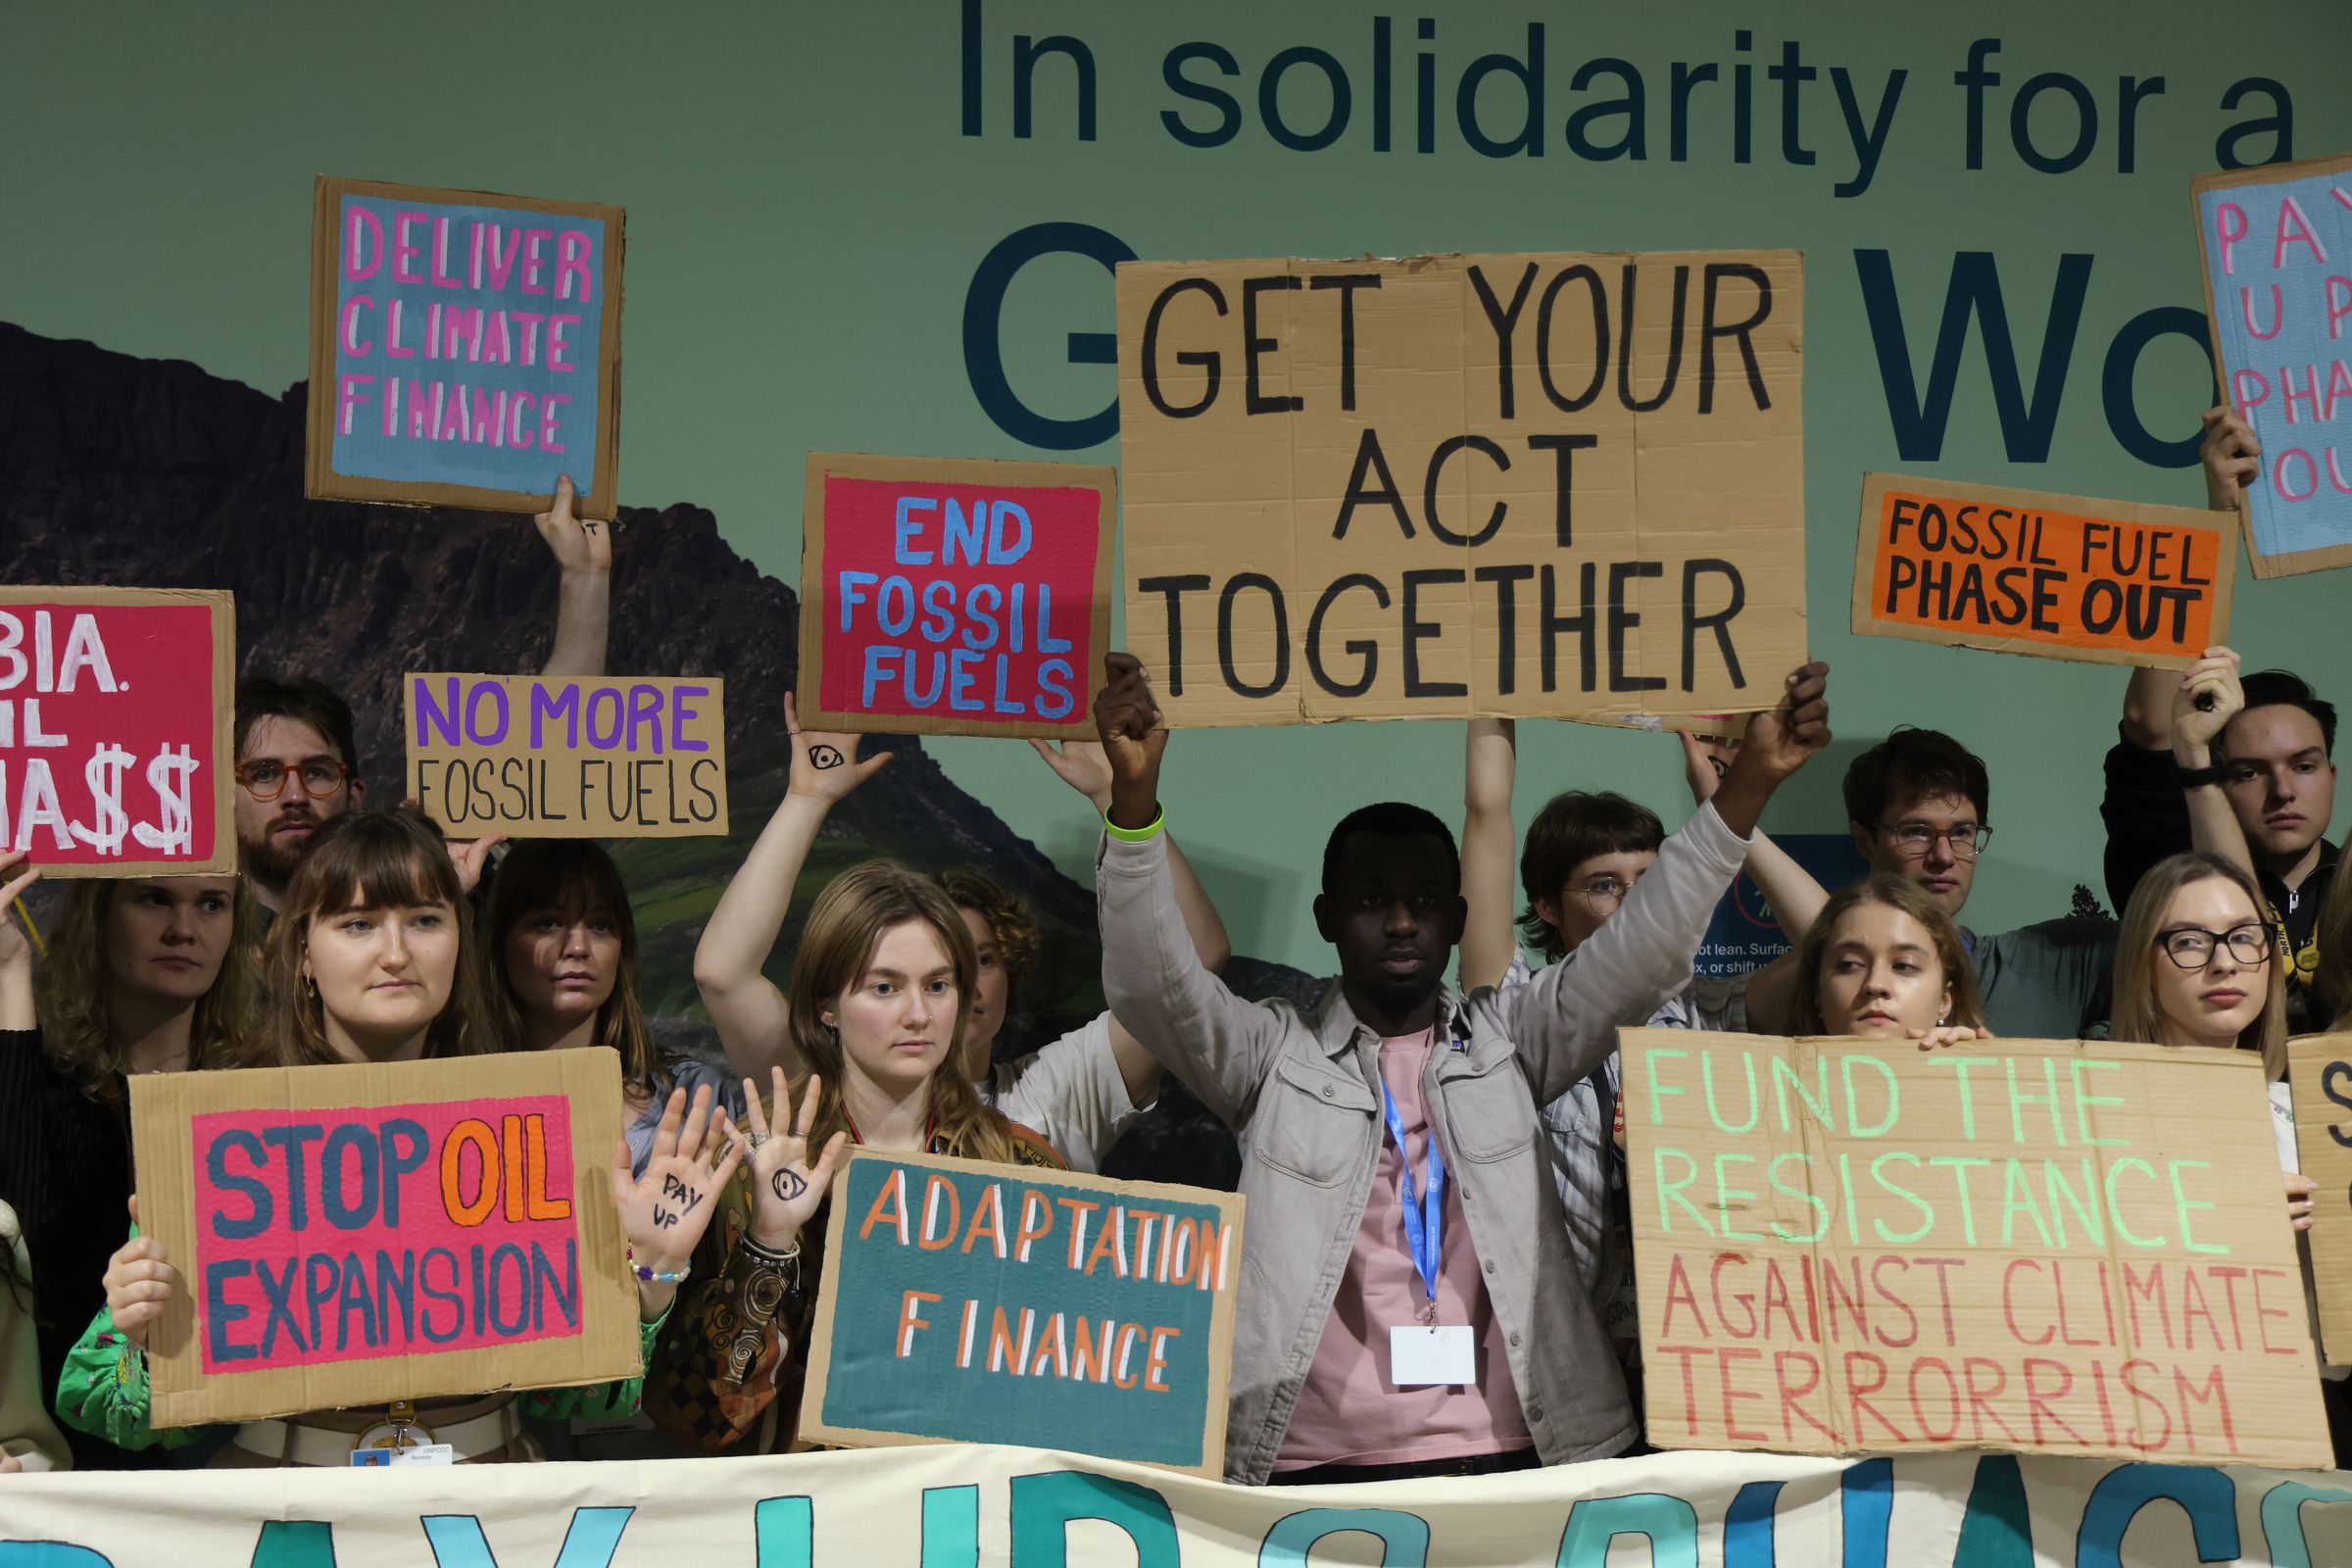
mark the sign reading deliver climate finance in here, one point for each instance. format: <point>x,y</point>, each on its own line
<point>1561,485</point>
<point>972,1302</point>
<point>2055,1247</point>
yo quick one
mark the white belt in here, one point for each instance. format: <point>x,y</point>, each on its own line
<point>302,1444</point>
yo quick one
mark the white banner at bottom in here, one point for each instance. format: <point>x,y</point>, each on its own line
<point>961,1506</point>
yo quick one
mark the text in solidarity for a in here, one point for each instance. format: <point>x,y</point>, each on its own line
<point>1559,484</point>
<point>465,347</point>
<point>115,729</point>
<point>972,1302</point>
<point>2053,1247</point>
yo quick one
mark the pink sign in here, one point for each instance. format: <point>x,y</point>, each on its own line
<point>326,1236</point>
<point>114,708</point>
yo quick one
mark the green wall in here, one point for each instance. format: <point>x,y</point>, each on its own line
<point>806,218</point>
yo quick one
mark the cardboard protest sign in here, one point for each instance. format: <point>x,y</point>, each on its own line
<point>2018,571</point>
<point>622,756</point>
<point>117,751</point>
<point>971,1303</point>
<point>1565,485</point>
<point>465,348</point>
<point>954,597</point>
<point>355,1235</point>
<point>2319,1067</point>
<point>2055,1247</point>
<point>2274,241</point>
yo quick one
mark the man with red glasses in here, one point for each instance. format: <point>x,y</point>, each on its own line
<point>298,763</point>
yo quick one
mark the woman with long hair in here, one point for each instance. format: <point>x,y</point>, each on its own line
<point>561,947</point>
<point>881,996</point>
<point>152,974</point>
<point>1080,1091</point>
<point>371,961</point>
<point>1884,960</point>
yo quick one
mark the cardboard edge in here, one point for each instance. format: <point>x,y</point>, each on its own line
<point>319,480</point>
<point>808,685</point>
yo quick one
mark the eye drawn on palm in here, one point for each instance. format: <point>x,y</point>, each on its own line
<point>825,764</point>
<point>787,1187</point>
<point>664,1212</point>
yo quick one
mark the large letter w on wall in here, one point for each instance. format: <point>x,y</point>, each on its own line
<point>1974,290</point>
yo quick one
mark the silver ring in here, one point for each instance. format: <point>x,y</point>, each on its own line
<point>755,1140</point>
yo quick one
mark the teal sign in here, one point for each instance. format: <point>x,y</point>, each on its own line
<point>995,1304</point>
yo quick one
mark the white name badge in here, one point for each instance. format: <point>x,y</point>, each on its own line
<point>1422,1354</point>
<point>415,1453</point>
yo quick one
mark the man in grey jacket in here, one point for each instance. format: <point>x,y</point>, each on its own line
<point>1407,1304</point>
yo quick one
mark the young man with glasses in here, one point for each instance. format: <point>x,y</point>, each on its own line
<point>298,762</point>
<point>2269,759</point>
<point>1918,804</point>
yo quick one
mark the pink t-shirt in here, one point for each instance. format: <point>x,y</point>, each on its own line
<point>1349,1413</point>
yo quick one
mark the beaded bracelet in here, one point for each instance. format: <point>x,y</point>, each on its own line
<point>656,1276</point>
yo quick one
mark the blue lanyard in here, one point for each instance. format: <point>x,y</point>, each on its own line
<point>1425,1218</point>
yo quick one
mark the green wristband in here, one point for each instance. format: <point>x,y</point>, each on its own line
<point>1136,834</point>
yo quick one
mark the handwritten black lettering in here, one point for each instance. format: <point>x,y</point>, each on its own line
<point>663,1218</point>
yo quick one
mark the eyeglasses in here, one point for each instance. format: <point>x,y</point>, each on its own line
<point>1912,840</point>
<point>266,780</point>
<point>2192,947</point>
<point>1604,893</point>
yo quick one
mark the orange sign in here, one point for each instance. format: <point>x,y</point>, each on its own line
<point>2018,571</point>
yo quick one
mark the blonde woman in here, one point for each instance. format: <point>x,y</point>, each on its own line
<point>1885,960</point>
<point>881,999</point>
<point>149,976</point>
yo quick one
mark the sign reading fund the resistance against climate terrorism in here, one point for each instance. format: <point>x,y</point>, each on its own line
<point>355,1235</point>
<point>954,597</point>
<point>997,1303</point>
<point>1535,485</point>
<point>2060,1248</point>
<point>2279,291</point>
<point>531,757</point>
<point>115,730</point>
<point>2319,1067</point>
<point>465,348</point>
<point>2017,571</point>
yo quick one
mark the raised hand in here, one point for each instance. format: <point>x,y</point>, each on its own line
<point>1705,760</point>
<point>2208,696</point>
<point>138,1281</point>
<point>825,765</point>
<point>578,544</point>
<point>1083,765</point>
<point>2233,457</point>
<point>786,1188</point>
<point>1782,738</point>
<point>18,873</point>
<point>2299,1194</point>
<point>664,1212</point>
<point>1127,719</point>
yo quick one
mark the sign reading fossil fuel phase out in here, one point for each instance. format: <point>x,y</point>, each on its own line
<point>2277,246</point>
<point>2055,1247</point>
<point>465,348</point>
<point>954,597</point>
<point>1568,485</point>
<point>2017,571</point>
<point>1000,1304</point>
<point>115,717</point>
<point>352,1234</point>
<point>531,757</point>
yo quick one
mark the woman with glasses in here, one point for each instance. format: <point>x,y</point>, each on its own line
<point>2197,963</point>
<point>155,975</point>
<point>371,962</point>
